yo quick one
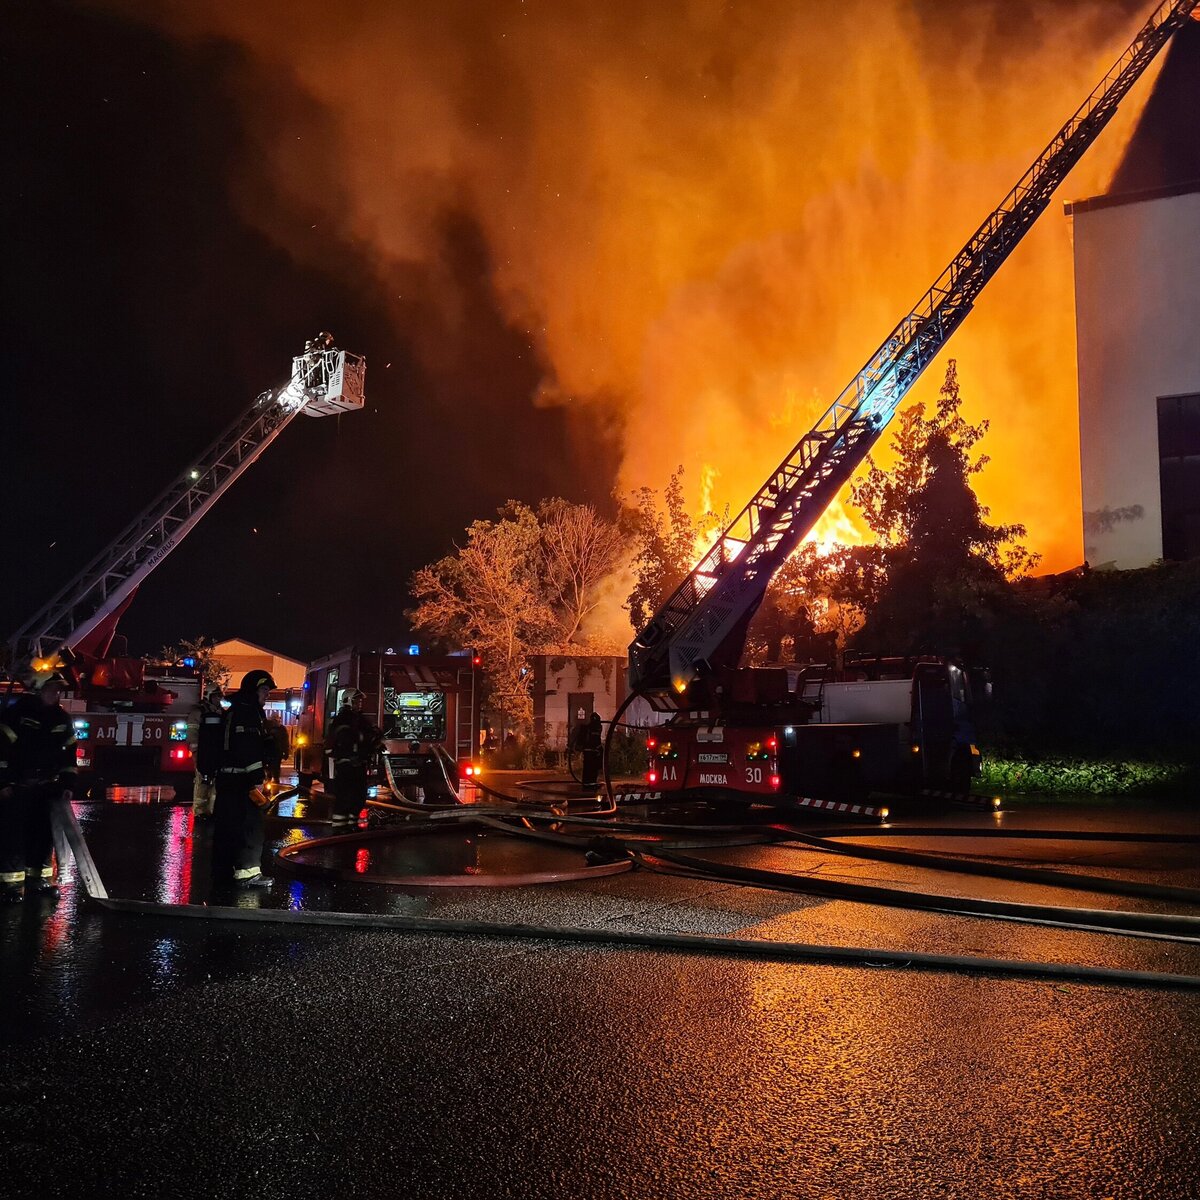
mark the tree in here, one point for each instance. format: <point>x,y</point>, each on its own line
<point>940,569</point>
<point>488,595</point>
<point>664,538</point>
<point>203,652</point>
<point>925,503</point>
<point>524,583</point>
<point>579,549</point>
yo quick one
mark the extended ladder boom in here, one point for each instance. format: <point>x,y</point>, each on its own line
<point>704,621</point>
<point>324,381</point>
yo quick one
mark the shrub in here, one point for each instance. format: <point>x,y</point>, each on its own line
<point>1064,776</point>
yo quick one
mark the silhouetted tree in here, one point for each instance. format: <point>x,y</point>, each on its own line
<point>939,569</point>
<point>663,537</point>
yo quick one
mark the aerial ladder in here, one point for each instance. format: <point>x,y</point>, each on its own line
<point>701,628</point>
<point>79,621</point>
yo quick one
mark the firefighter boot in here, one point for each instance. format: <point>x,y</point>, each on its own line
<point>10,887</point>
<point>257,881</point>
<point>41,883</point>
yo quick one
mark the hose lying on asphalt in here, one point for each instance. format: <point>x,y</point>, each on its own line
<point>960,866</point>
<point>992,831</point>
<point>1162,926</point>
<point>401,803</point>
<point>1130,924</point>
<point>69,839</point>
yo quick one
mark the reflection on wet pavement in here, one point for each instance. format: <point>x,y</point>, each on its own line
<point>523,1069</point>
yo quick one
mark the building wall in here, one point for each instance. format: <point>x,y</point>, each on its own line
<point>556,677</point>
<point>1137,298</point>
<point>241,657</point>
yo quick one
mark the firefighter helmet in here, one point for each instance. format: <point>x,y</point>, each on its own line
<point>253,680</point>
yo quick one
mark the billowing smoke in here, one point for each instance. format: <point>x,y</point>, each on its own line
<point>707,214</point>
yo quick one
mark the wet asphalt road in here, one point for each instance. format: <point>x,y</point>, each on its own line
<point>144,1058</point>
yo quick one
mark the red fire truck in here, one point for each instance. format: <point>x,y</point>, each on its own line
<point>426,705</point>
<point>823,738</point>
<point>131,724</point>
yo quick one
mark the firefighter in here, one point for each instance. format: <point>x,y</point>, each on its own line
<point>351,745</point>
<point>246,748</point>
<point>204,741</point>
<point>592,743</point>
<point>282,747</point>
<point>37,765</point>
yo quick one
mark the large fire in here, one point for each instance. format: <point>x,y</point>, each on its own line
<point>711,214</point>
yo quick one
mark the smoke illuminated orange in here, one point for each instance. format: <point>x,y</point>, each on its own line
<point>710,215</point>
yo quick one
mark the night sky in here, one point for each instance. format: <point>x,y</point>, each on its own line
<point>143,313</point>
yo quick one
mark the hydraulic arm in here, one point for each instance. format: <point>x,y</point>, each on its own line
<point>703,623</point>
<point>324,381</point>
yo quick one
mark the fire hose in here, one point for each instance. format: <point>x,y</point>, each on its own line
<point>69,839</point>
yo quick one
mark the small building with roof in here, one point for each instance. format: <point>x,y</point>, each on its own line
<point>241,656</point>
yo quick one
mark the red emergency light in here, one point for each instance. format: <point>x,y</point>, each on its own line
<point>651,776</point>
<point>775,781</point>
<point>180,753</point>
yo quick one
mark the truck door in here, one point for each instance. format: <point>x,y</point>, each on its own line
<point>933,722</point>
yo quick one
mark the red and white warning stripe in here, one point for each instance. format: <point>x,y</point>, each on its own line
<point>838,806</point>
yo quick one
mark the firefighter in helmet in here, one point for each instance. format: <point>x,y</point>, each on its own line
<point>245,749</point>
<point>350,748</point>
<point>37,765</point>
<point>204,741</point>
<point>592,744</point>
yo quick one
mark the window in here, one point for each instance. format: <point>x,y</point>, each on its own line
<point>1179,474</point>
<point>331,692</point>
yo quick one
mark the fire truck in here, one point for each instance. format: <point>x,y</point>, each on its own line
<point>131,718</point>
<point>131,724</point>
<point>803,735</point>
<point>823,738</point>
<point>426,706</point>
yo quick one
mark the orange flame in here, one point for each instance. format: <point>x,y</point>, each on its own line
<point>714,213</point>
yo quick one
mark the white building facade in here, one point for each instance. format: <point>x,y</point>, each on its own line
<point>1137,314</point>
<point>1137,298</point>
